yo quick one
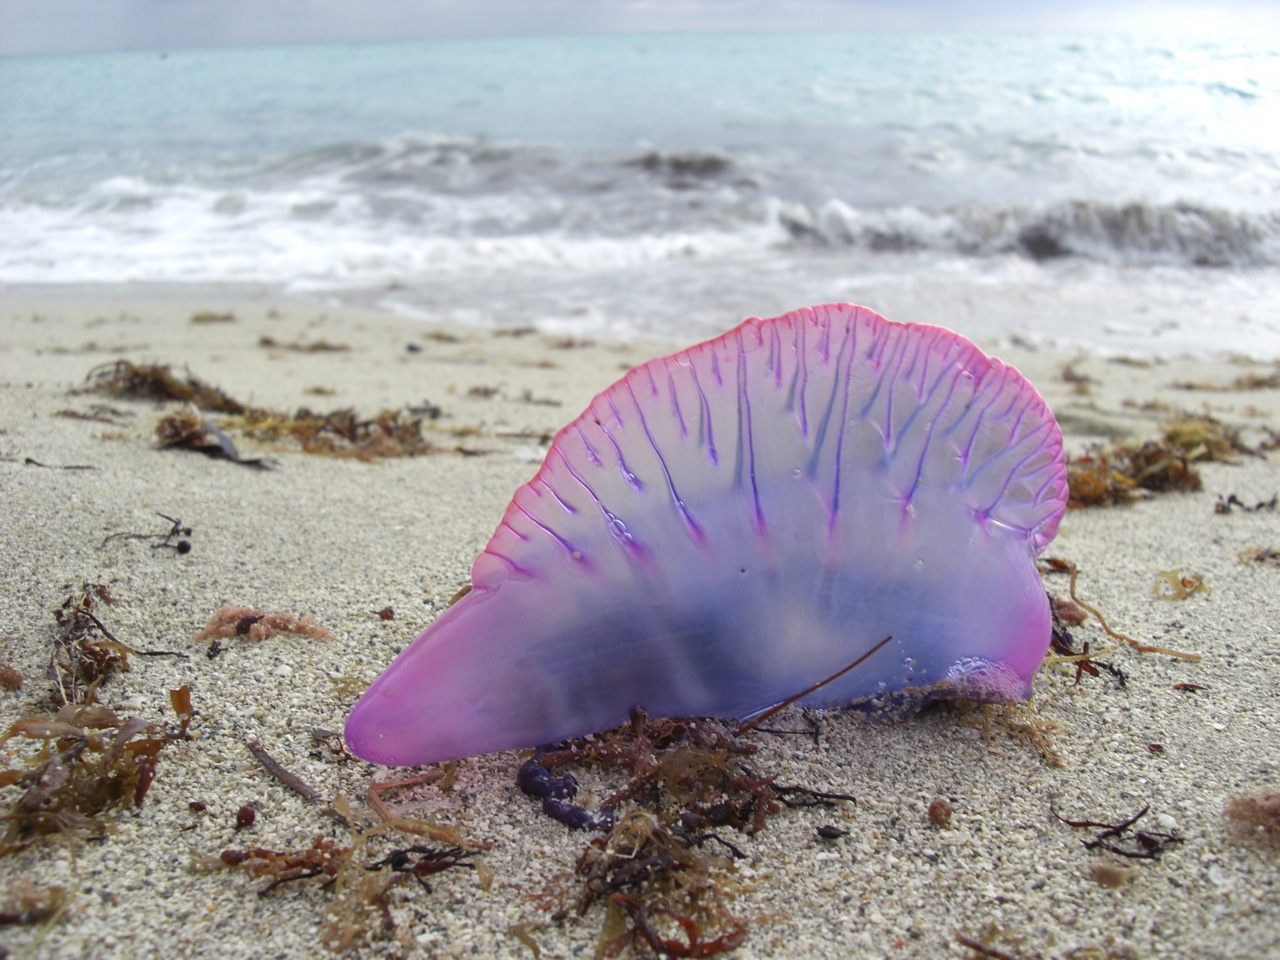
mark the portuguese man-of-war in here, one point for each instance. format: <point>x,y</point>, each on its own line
<point>726,526</point>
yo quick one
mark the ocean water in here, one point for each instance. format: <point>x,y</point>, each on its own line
<point>1107,193</point>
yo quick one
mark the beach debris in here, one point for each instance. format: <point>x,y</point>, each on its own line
<point>1256,816</point>
<point>386,613</point>
<point>569,343</point>
<point>642,934</point>
<point>338,433</point>
<point>1202,438</point>
<point>358,913</point>
<point>526,396</point>
<point>1115,837</point>
<point>1185,687</point>
<point>940,812</point>
<point>524,933</point>
<point>245,817</point>
<point>1115,635</point>
<point>157,382</point>
<point>685,779</point>
<point>187,429</point>
<point>1125,472</point>
<point>1244,382</point>
<point>426,410</point>
<point>1068,611</point>
<point>25,903</point>
<point>831,832</point>
<point>342,433</point>
<point>165,541</point>
<point>97,413</point>
<point>254,624</point>
<point>277,770</point>
<point>1264,555</point>
<point>1106,872</point>
<point>983,947</point>
<point>205,317</point>
<point>321,859</point>
<point>1062,643</point>
<point>90,761</point>
<point>331,739</point>
<point>1081,383</point>
<point>84,652</point>
<point>483,392</point>
<point>1172,585</point>
<point>301,346</point>
<point>1233,502</point>
<point>10,677</point>
<point>1020,720</point>
<point>33,462</point>
<point>421,862</point>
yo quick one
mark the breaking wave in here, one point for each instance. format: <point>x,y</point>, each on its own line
<point>1179,234</point>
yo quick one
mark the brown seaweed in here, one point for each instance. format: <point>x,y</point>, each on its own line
<point>1125,472</point>
<point>1256,816</point>
<point>252,624</point>
<point>158,382</point>
<point>90,761</point>
<point>1115,837</point>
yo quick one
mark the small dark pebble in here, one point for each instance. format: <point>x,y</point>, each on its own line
<point>413,347</point>
<point>1156,747</point>
<point>195,806</point>
<point>829,832</point>
<point>940,812</point>
<point>245,817</point>
<point>387,613</point>
<point>183,546</point>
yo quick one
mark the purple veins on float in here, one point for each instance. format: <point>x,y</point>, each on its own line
<point>875,479</point>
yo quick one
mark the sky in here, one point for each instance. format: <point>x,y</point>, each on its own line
<point>68,26</point>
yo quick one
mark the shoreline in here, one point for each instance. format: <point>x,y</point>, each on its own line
<point>340,540</point>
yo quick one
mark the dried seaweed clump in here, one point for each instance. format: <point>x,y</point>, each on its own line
<point>153,381</point>
<point>256,625</point>
<point>27,903</point>
<point>663,874</point>
<point>1246,381</point>
<point>1202,438</point>
<point>84,651</point>
<point>359,912</point>
<point>1125,472</point>
<point>340,433</point>
<point>90,761</point>
<point>1256,816</point>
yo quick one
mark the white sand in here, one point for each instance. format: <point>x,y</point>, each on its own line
<point>340,539</point>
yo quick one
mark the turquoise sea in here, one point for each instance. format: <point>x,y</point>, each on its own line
<point>670,185</point>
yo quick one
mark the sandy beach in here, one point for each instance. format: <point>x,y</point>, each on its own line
<point>339,540</point>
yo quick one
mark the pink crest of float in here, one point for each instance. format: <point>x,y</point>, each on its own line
<point>726,526</point>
